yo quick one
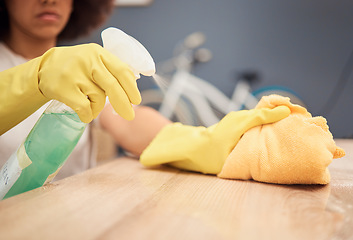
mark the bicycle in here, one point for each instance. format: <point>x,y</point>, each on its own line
<point>186,98</point>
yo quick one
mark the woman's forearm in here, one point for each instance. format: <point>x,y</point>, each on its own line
<point>134,136</point>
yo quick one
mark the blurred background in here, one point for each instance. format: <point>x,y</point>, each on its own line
<point>305,45</point>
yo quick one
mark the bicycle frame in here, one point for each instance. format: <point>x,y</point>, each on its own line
<point>199,99</point>
<point>200,94</point>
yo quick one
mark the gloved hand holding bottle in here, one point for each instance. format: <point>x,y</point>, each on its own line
<point>80,76</point>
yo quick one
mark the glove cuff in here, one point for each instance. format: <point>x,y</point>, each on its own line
<point>22,96</point>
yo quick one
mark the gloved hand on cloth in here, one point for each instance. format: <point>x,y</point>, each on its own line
<point>206,149</point>
<point>295,150</point>
<point>277,142</point>
<point>80,76</point>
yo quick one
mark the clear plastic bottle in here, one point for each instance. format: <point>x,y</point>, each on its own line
<point>56,133</point>
<point>45,149</point>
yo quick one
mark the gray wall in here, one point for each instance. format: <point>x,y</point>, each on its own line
<point>302,44</point>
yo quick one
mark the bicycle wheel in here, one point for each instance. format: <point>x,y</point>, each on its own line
<point>279,90</point>
<point>183,111</point>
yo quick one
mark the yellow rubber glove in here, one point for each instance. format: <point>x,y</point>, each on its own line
<point>80,76</point>
<point>203,149</point>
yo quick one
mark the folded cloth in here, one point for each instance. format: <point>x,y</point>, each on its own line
<point>294,150</point>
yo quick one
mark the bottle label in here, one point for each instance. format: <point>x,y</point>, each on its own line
<point>52,176</point>
<point>12,169</point>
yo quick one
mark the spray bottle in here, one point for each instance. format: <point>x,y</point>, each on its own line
<point>54,136</point>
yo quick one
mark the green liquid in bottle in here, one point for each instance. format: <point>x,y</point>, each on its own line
<point>48,145</point>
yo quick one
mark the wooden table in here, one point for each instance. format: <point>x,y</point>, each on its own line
<point>123,200</point>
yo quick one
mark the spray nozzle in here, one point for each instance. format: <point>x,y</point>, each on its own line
<point>129,50</point>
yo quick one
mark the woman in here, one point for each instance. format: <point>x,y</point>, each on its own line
<point>28,29</point>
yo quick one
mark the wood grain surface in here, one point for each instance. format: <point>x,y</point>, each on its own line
<point>123,200</point>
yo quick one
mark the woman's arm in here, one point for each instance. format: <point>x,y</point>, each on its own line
<point>135,135</point>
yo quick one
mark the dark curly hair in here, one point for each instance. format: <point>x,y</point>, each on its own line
<point>85,17</point>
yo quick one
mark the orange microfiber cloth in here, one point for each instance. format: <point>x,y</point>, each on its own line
<point>294,150</point>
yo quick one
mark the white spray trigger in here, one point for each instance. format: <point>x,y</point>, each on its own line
<point>129,50</point>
